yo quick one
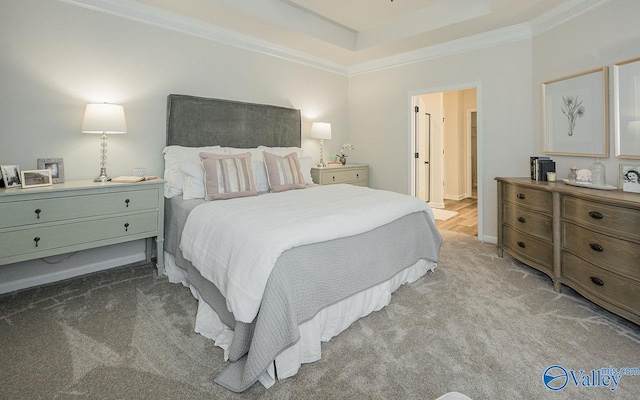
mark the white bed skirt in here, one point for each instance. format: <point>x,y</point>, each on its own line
<point>329,322</point>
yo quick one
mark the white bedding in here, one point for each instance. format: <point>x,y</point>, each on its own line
<point>233,243</point>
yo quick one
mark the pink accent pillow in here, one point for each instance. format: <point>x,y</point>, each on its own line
<point>283,172</point>
<point>228,176</point>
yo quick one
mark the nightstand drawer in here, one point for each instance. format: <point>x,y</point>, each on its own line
<point>36,239</point>
<point>602,217</point>
<point>614,254</point>
<point>538,225</point>
<point>26,212</point>
<point>348,176</point>
<point>533,199</point>
<point>534,249</point>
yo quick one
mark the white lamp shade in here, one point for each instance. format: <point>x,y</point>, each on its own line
<point>321,130</point>
<point>104,118</point>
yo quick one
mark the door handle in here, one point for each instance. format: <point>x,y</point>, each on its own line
<point>426,162</point>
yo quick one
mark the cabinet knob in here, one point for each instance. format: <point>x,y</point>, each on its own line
<point>521,244</point>
<point>334,178</point>
<point>596,247</point>
<point>357,176</point>
<point>36,239</point>
<point>597,281</point>
<point>521,196</point>
<point>595,215</point>
<point>521,219</point>
<point>38,211</point>
<point>126,227</point>
<point>127,202</point>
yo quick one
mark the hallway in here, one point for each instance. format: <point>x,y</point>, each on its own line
<point>467,219</point>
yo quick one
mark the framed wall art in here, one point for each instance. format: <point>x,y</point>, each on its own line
<point>10,175</point>
<point>630,177</point>
<point>36,178</point>
<point>56,165</point>
<point>626,110</point>
<point>575,114</point>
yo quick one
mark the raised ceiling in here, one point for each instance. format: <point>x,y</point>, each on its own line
<point>352,36</point>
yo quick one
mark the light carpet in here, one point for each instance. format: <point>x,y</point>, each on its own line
<point>479,325</point>
<point>443,215</point>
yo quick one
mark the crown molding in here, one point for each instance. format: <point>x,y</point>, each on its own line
<point>141,12</point>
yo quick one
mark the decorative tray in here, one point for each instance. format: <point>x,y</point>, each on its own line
<point>589,185</point>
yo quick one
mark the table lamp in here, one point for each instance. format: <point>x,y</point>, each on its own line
<point>321,130</point>
<point>104,119</point>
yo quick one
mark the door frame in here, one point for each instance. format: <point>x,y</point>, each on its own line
<point>469,182</point>
<point>412,145</point>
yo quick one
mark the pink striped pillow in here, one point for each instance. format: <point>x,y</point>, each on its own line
<point>228,176</point>
<point>283,172</point>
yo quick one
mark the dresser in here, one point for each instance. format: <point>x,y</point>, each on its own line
<point>354,174</point>
<point>78,215</point>
<point>584,238</point>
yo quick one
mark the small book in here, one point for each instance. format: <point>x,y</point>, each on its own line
<point>334,163</point>
<point>133,179</point>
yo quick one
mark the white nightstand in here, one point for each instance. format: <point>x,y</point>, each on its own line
<point>354,174</point>
<point>79,215</point>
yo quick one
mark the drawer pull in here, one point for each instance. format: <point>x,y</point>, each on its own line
<point>357,176</point>
<point>334,178</point>
<point>521,196</point>
<point>127,202</point>
<point>521,244</point>
<point>595,247</point>
<point>595,215</point>
<point>38,211</point>
<point>521,219</point>
<point>126,227</point>
<point>36,239</point>
<point>597,281</point>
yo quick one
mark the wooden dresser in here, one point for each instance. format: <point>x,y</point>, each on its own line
<point>79,215</point>
<point>354,174</point>
<point>584,238</point>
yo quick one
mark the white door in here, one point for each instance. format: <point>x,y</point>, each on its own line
<point>422,156</point>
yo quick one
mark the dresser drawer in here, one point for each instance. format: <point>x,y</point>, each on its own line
<point>602,217</point>
<point>35,239</point>
<point>533,199</point>
<point>20,213</point>
<point>614,254</point>
<point>527,246</point>
<point>538,225</point>
<point>598,282</point>
<point>348,176</point>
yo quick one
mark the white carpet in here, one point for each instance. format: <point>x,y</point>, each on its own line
<point>443,215</point>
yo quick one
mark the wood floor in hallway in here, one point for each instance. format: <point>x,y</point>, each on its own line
<point>467,219</point>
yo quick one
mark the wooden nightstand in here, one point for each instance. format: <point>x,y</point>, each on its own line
<point>354,174</point>
<point>79,215</point>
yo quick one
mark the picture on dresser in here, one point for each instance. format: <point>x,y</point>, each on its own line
<point>10,175</point>
<point>56,165</point>
<point>626,111</point>
<point>630,177</point>
<point>36,178</point>
<point>575,114</point>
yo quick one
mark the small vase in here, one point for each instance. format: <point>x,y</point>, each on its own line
<point>598,173</point>
<point>343,160</point>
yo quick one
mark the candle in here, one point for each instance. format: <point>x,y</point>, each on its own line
<point>551,176</point>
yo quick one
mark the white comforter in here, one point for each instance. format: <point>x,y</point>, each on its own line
<point>236,243</point>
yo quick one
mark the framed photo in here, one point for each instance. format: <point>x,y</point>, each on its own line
<point>36,178</point>
<point>576,114</point>
<point>626,95</point>
<point>10,175</point>
<point>56,165</point>
<point>630,177</point>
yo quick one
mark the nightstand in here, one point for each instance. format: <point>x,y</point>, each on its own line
<point>354,174</point>
<point>79,215</point>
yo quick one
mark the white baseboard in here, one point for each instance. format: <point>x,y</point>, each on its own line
<point>490,239</point>
<point>436,205</point>
<point>70,273</point>
<point>457,198</point>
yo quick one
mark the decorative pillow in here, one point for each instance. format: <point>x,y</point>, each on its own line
<point>282,151</point>
<point>257,163</point>
<point>228,176</point>
<point>174,156</point>
<point>305,168</point>
<point>193,180</point>
<point>283,172</point>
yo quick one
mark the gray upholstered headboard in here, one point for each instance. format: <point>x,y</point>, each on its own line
<point>198,121</point>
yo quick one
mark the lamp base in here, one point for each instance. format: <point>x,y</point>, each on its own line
<point>321,165</point>
<point>102,179</point>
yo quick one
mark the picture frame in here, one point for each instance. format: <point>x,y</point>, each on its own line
<point>36,178</point>
<point>10,175</point>
<point>629,178</point>
<point>575,113</point>
<point>56,165</point>
<point>626,97</point>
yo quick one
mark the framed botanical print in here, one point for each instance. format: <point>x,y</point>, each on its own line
<point>575,112</point>
<point>626,108</point>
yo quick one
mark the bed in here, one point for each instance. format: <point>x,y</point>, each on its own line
<point>275,274</point>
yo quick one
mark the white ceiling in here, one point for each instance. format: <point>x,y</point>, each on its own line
<point>352,36</point>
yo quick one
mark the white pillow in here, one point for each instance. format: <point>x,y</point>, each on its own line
<point>282,151</point>
<point>193,180</point>
<point>174,156</point>
<point>305,168</point>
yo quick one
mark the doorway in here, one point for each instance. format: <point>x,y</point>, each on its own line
<point>445,143</point>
